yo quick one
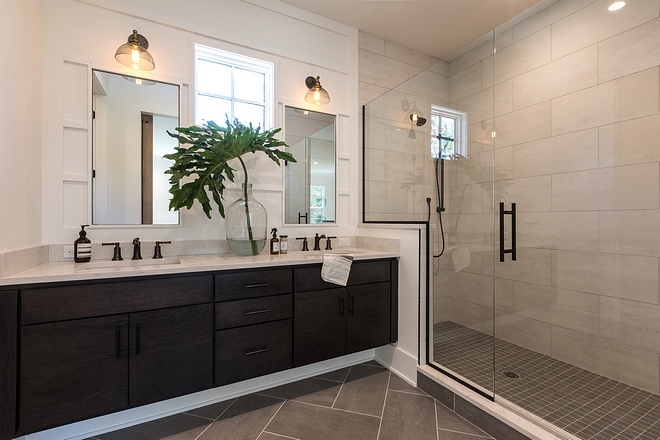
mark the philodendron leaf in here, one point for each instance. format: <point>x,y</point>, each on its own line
<point>203,155</point>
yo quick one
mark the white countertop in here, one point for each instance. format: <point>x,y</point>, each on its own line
<point>99,269</point>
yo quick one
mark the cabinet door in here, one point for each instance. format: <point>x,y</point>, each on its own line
<point>8,362</point>
<point>72,370</point>
<point>319,325</point>
<point>368,323</point>
<point>171,353</point>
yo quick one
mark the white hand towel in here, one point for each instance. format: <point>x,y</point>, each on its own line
<point>461,258</point>
<point>336,268</point>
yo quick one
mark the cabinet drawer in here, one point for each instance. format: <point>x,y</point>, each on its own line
<point>246,352</point>
<point>362,272</point>
<point>89,300</point>
<point>253,311</point>
<point>252,283</point>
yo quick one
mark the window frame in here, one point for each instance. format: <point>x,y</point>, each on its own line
<point>460,129</point>
<point>235,60</point>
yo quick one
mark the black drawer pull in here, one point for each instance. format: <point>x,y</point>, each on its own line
<point>137,339</point>
<point>256,312</point>
<point>342,306</point>
<point>249,286</point>
<point>261,350</point>
<point>351,305</point>
<point>117,338</point>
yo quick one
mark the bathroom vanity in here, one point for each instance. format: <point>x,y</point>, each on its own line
<point>81,346</point>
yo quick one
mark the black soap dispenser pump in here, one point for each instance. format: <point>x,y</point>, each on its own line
<point>274,243</point>
<point>82,247</point>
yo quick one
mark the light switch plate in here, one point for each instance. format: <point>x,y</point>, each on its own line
<point>344,241</point>
<point>68,253</point>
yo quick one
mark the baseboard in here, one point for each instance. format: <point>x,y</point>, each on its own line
<point>399,362</point>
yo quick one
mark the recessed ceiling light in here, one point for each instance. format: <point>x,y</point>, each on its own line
<point>616,6</point>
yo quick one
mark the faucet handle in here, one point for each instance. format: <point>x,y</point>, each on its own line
<point>157,253</point>
<point>117,251</point>
<point>328,244</point>
<point>137,255</point>
<point>304,247</point>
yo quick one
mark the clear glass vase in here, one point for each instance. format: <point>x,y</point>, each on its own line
<point>246,222</point>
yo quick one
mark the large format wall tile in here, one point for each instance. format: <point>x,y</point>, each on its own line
<point>629,232</point>
<point>479,107</point>
<point>430,85</point>
<point>472,315</point>
<point>560,77</point>
<point>407,55</point>
<point>532,266</point>
<point>465,83</point>
<point>629,52</point>
<point>620,276</point>
<point>525,55</point>
<point>630,142</point>
<point>381,70</point>
<point>524,125</point>
<point>626,98</point>
<point>619,361</point>
<point>605,189</point>
<point>529,333</point>
<point>558,230</point>
<point>595,23</point>
<point>504,98</point>
<point>532,194</point>
<point>547,16</point>
<point>565,308</point>
<point>630,322</point>
<point>477,289</point>
<point>504,295</point>
<point>558,154</point>
<point>477,54</point>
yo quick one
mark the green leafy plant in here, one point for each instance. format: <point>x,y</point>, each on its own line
<point>204,153</point>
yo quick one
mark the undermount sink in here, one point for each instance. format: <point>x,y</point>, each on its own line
<point>112,266</point>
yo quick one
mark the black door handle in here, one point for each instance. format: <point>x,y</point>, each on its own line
<point>351,305</point>
<point>137,339</point>
<point>511,251</point>
<point>117,338</point>
<point>341,306</point>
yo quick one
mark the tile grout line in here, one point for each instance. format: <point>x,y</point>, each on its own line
<point>216,419</point>
<point>334,402</point>
<point>335,409</point>
<point>437,428</point>
<point>271,419</point>
<point>277,435</point>
<point>382,412</point>
<point>625,415</point>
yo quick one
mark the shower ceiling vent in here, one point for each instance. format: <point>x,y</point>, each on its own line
<point>511,375</point>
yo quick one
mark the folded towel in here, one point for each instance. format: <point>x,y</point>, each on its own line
<point>336,268</point>
<point>461,258</point>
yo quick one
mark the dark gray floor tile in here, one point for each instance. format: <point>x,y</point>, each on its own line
<point>311,390</point>
<point>270,436</point>
<point>408,416</point>
<point>364,390</point>
<point>398,384</point>
<point>451,435</point>
<point>244,419</point>
<point>435,390</point>
<point>488,423</point>
<point>176,427</point>
<point>373,363</point>
<point>337,375</point>
<point>450,421</point>
<point>211,411</point>
<point>310,422</point>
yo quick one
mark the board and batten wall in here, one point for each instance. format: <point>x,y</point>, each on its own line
<point>81,35</point>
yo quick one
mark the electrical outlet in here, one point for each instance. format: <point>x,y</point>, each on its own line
<point>68,253</point>
<point>344,241</point>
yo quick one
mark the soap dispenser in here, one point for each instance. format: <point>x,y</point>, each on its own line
<point>82,247</point>
<point>274,243</point>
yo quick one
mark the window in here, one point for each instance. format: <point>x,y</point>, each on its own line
<point>448,133</point>
<point>234,86</point>
<point>316,204</point>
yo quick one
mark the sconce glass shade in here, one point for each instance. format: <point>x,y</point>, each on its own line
<point>316,94</point>
<point>134,53</point>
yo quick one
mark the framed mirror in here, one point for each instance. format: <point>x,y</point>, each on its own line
<point>131,117</point>
<point>310,184</point>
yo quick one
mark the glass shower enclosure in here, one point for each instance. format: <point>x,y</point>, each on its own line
<point>537,167</point>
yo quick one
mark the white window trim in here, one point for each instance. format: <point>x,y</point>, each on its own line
<point>245,62</point>
<point>461,129</point>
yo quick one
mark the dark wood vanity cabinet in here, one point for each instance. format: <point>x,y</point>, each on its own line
<point>253,319</point>
<point>132,353</point>
<point>331,322</point>
<point>73,351</point>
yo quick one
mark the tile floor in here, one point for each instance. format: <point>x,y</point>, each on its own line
<point>585,404</point>
<point>365,401</point>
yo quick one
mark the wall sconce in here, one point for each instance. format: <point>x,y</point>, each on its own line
<point>316,94</point>
<point>415,116</point>
<point>134,53</point>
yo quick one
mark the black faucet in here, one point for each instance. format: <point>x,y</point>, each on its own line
<point>304,246</point>
<point>157,253</point>
<point>328,244</point>
<point>116,256</point>
<point>136,249</point>
<point>317,239</point>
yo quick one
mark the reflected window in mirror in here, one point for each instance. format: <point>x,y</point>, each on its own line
<point>234,86</point>
<point>310,184</point>
<point>131,117</point>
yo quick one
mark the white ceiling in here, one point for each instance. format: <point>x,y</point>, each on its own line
<point>434,27</point>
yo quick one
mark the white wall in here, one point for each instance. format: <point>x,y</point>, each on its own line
<point>85,34</point>
<point>20,124</point>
